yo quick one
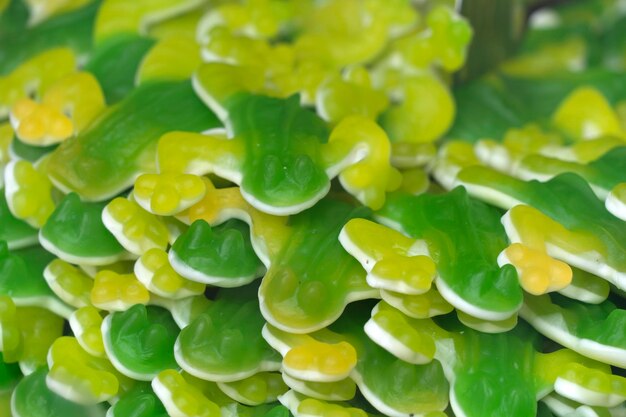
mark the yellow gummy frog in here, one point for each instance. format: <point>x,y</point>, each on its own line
<point>117,292</point>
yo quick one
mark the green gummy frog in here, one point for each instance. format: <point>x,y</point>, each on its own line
<point>394,387</point>
<point>21,278</point>
<point>17,233</point>
<point>140,341</point>
<point>224,342</point>
<point>560,218</point>
<point>75,233</point>
<point>282,155</point>
<point>305,288</point>
<point>464,237</point>
<point>222,255</point>
<point>32,398</point>
<point>120,145</point>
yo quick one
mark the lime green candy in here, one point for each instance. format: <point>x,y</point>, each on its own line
<point>596,331</point>
<point>140,341</point>
<point>120,145</point>
<point>224,342</point>
<point>32,398</point>
<point>261,388</point>
<point>222,256</point>
<point>21,273</point>
<point>75,233</point>
<point>464,237</point>
<point>69,283</point>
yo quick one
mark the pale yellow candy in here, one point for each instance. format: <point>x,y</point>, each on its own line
<point>136,229</point>
<point>487,326</point>
<point>586,114</point>
<point>116,292</point>
<point>85,323</point>
<point>553,58</point>
<point>318,361</point>
<point>261,388</point>
<point>35,76</point>
<point>28,192</point>
<point>313,407</point>
<point>419,306</point>
<point>168,194</point>
<point>155,272</point>
<point>77,376</point>
<point>40,124</point>
<point>181,398</point>
<point>414,181</point>
<point>69,283</point>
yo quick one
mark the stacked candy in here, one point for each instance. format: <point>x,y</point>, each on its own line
<point>225,209</point>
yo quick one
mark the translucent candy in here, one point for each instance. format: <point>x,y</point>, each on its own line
<point>154,271</point>
<point>117,292</point>
<point>28,193</point>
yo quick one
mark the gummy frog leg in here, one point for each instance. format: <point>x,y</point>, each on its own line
<point>79,377</point>
<point>154,271</point>
<point>121,144</point>
<point>33,398</point>
<point>85,323</point>
<point>595,331</point>
<point>28,192</point>
<point>602,174</point>
<point>70,284</point>
<point>300,406</point>
<point>586,287</point>
<point>261,388</point>
<point>117,292</point>
<point>312,279</point>
<point>464,237</point>
<point>587,237</point>
<point>393,261</point>
<point>224,343</point>
<point>134,228</point>
<point>21,278</point>
<point>451,159</point>
<point>564,407</point>
<point>185,310</point>
<point>75,233</point>
<point>222,256</point>
<point>342,390</point>
<point>140,341</point>
<point>66,108</point>
<point>16,232</point>
<point>346,349</point>
<point>27,333</point>
<point>140,401</point>
<point>182,399</point>
<point>420,306</point>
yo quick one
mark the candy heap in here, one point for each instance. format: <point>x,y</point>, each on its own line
<point>225,209</point>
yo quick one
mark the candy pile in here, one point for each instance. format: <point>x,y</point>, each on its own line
<point>225,209</point>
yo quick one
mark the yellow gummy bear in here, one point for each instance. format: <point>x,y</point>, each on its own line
<point>538,272</point>
<point>168,194</point>
<point>155,272</point>
<point>77,376</point>
<point>136,229</point>
<point>586,114</point>
<point>117,292</point>
<point>69,283</point>
<point>393,261</point>
<point>181,398</point>
<point>85,323</point>
<point>28,192</point>
<point>33,77</point>
<point>368,175</point>
<point>318,361</point>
